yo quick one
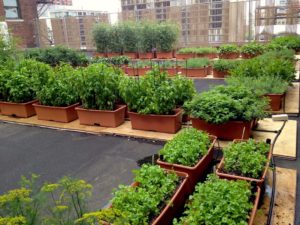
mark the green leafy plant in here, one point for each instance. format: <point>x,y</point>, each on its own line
<point>186,148</point>
<point>228,48</point>
<point>98,87</point>
<point>247,158</point>
<point>141,64</point>
<point>291,42</point>
<point>284,54</point>
<point>196,63</point>
<point>205,50</point>
<point>167,35</point>
<point>186,50</point>
<point>116,60</point>
<point>101,37</point>
<point>130,36</point>
<point>150,94</point>
<point>139,204</point>
<point>252,49</point>
<point>60,90</point>
<point>184,89</point>
<point>226,103</point>
<point>224,65</point>
<point>206,206</point>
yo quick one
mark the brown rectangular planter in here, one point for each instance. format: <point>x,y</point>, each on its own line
<point>100,55</point>
<point>131,55</point>
<point>146,55</point>
<point>209,70</point>
<point>160,123</point>
<point>130,71</point>
<point>104,118</point>
<point>275,101</point>
<point>195,72</point>
<point>164,55</point>
<point>23,110</point>
<point>222,174</point>
<point>185,55</point>
<point>196,172</point>
<point>219,74</point>
<point>248,56</point>
<point>57,114</point>
<point>232,55</point>
<point>113,54</point>
<point>142,71</point>
<point>207,55</point>
<point>227,131</point>
<point>172,71</point>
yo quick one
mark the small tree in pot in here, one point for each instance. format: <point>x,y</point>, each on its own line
<point>101,35</point>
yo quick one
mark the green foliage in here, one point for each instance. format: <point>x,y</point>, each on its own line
<point>199,50</point>
<point>19,220</point>
<point>196,63</point>
<point>291,42</point>
<point>60,90</point>
<point>167,35</point>
<point>252,49</point>
<point>116,61</point>
<point>260,85</point>
<point>228,48</point>
<point>247,158</point>
<point>186,50</point>
<point>148,38</point>
<point>141,64</point>
<point>284,54</point>
<point>101,36</point>
<point>56,55</point>
<point>130,36</point>
<point>226,103</point>
<point>225,65</point>
<point>186,148</point>
<point>184,89</point>
<point>150,94</point>
<point>140,203</point>
<point>98,87</point>
<point>218,202</point>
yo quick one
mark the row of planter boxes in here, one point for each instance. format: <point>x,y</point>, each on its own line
<point>170,55</point>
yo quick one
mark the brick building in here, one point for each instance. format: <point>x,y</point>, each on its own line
<point>20,16</point>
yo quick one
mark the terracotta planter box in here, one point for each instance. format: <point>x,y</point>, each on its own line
<point>185,55</point>
<point>57,114</point>
<point>160,123</point>
<point>248,56</point>
<point>23,110</point>
<point>275,101</point>
<point>104,118</point>
<point>196,172</point>
<point>195,72</point>
<point>229,55</point>
<point>209,70</point>
<point>208,55</point>
<point>227,131</point>
<point>172,71</point>
<point>142,71</point>
<point>147,55</point>
<point>100,54</point>
<point>130,71</point>
<point>112,54</point>
<point>220,74</point>
<point>132,55</point>
<point>222,174</point>
<point>164,55</point>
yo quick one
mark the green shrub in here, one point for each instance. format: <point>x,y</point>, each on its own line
<point>130,32</point>
<point>260,85</point>
<point>226,103</point>
<point>98,87</point>
<point>141,64</point>
<point>218,202</point>
<point>150,94</point>
<point>225,65</point>
<point>167,35</point>
<point>186,148</point>
<point>139,203</point>
<point>116,60</point>
<point>101,36</point>
<point>284,54</point>
<point>148,38</point>
<point>246,158</point>
<point>196,63</point>
<point>184,89</point>
<point>205,50</point>
<point>228,48</point>
<point>60,90</point>
<point>291,42</point>
<point>186,50</point>
<point>252,49</point>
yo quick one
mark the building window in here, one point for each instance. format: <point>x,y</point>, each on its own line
<point>12,10</point>
<point>280,21</point>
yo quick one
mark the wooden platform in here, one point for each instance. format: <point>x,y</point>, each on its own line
<point>285,198</point>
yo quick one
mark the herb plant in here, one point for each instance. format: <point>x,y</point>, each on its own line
<point>246,158</point>
<point>98,87</point>
<point>186,50</point>
<point>140,203</point>
<point>291,42</point>
<point>252,49</point>
<point>186,148</point>
<point>184,89</point>
<point>196,63</point>
<point>228,48</point>
<point>224,65</point>
<point>218,202</point>
<point>150,94</point>
<point>60,90</point>
<point>116,61</point>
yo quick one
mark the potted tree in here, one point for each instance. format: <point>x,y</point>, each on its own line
<point>167,35</point>
<point>185,53</point>
<point>229,51</point>
<point>18,87</point>
<point>245,160</point>
<point>227,112</point>
<point>196,67</point>
<point>251,50</point>
<point>98,93</point>
<point>58,98</point>
<point>155,197</point>
<point>190,151</point>
<point>130,39</point>
<point>101,36</point>
<point>219,201</point>
<point>222,67</point>
<point>147,40</point>
<point>152,102</point>
<point>116,41</point>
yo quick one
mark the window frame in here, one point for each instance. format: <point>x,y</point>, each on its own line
<point>18,7</point>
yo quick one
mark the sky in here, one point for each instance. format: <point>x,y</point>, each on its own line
<point>101,5</point>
